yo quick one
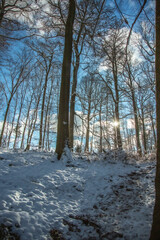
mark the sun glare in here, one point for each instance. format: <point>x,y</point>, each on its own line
<point>115,123</point>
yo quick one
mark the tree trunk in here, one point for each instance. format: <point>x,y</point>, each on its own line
<point>43,103</point>
<point>63,115</point>
<point>2,10</point>
<point>118,133</point>
<point>25,125</point>
<point>153,129</point>
<point>155,232</point>
<point>88,127</point>
<point>18,120</point>
<point>144,133</point>
<point>72,103</point>
<point>32,127</point>
<point>138,145</point>
<point>5,119</point>
<point>14,115</point>
<point>100,126</point>
<point>46,115</point>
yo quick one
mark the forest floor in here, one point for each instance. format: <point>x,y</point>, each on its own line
<point>81,197</point>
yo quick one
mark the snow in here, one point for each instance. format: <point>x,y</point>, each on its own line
<point>81,197</point>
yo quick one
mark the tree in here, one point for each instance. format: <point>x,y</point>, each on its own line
<point>63,115</point>
<point>113,50</point>
<point>18,74</point>
<point>155,232</point>
<point>130,83</point>
<point>88,21</point>
<point>88,99</point>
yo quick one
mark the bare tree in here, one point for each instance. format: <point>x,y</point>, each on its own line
<point>63,118</point>
<point>155,232</point>
<point>18,73</point>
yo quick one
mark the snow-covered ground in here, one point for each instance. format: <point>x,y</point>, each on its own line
<point>109,196</point>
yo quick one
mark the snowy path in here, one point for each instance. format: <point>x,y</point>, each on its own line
<point>79,200</point>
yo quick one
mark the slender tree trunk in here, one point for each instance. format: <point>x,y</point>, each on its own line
<point>118,133</point>
<point>11,130</point>
<point>46,115</point>
<point>48,128</point>
<point>25,125</point>
<point>43,103</point>
<point>100,130</point>
<point>33,124</point>
<point>88,128</point>
<point>153,129</point>
<point>155,232</point>
<point>63,115</point>
<point>144,134</point>
<point>19,116</point>
<point>72,103</point>
<point>5,119</point>
<point>138,145</point>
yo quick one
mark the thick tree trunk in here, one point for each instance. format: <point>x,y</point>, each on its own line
<point>155,232</point>
<point>63,115</point>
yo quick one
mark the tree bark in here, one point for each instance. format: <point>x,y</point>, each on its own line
<point>25,125</point>
<point>63,115</point>
<point>5,119</point>
<point>88,127</point>
<point>72,103</point>
<point>43,103</point>
<point>138,144</point>
<point>155,231</point>
<point>118,133</point>
<point>144,133</point>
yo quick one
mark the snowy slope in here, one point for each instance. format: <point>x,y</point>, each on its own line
<point>77,198</point>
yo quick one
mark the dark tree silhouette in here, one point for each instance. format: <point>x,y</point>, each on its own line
<point>63,115</point>
<point>155,232</point>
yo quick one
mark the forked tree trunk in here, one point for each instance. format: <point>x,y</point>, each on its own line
<point>63,115</point>
<point>155,232</point>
